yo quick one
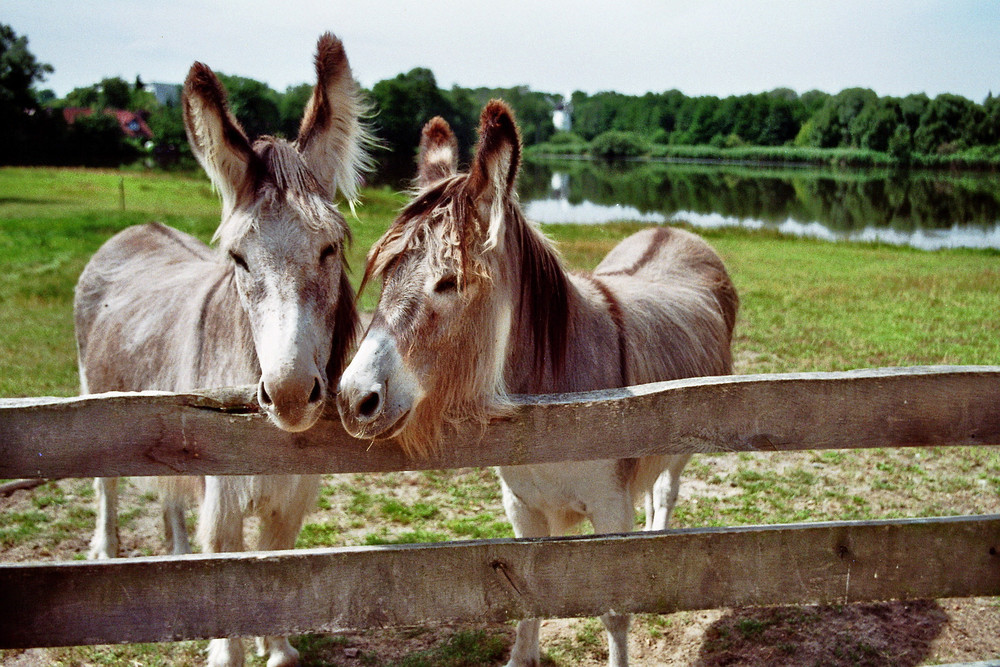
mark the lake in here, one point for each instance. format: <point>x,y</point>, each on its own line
<point>923,209</point>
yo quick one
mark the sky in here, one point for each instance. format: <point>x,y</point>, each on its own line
<point>700,47</point>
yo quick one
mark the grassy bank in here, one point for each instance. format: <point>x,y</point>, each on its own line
<point>976,158</point>
<point>806,305</point>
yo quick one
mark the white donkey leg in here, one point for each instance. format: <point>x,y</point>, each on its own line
<point>175,527</point>
<point>526,523</point>
<point>282,654</point>
<point>278,530</point>
<point>228,652</point>
<point>664,494</point>
<point>220,529</point>
<point>650,507</point>
<point>616,517</point>
<point>104,543</point>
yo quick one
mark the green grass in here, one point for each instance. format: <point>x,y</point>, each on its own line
<point>464,648</point>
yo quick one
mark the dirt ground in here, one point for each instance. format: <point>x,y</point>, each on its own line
<point>893,633</point>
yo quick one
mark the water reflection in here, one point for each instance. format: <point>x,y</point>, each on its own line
<point>927,210</point>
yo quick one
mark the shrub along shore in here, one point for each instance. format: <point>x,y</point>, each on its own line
<point>632,146</point>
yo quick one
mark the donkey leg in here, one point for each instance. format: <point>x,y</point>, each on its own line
<point>278,530</point>
<point>220,529</point>
<point>175,527</point>
<point>104,543</point>
<point>664,493</point>
<point>225,653</point>
<point>616,517</point>
<point>526,523</point>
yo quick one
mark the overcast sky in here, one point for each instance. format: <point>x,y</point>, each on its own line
<point>699,47</point>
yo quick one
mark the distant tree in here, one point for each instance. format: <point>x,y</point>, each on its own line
<point>532,109</point>
<point>404,104</point>
<point>464,119</point>
<point>45,96</point>
<point>876,124</point>
<point>785,94</point>
<point>987,131</point>
<point>812,101</point>
<point>24,124</point>
<point>254,104</point>
<point>291,107</point>
<point>670,102</point>
<point>592,114</point>
<point>911,109</point>
<point>19,70</point>
<point>900,144</point>
<point>830,126</point>
<point>116,93</point>
<point>86,96</point>
<point>781,123</point>
<point>110,93</point>
<point>945,124</point>
<point>697,121</point>
<point>170,144</point>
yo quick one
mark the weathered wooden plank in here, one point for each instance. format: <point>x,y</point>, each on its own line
<point>163,599</point>
<point>221,432</point>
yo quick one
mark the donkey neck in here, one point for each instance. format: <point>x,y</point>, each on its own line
<point>224,340</point>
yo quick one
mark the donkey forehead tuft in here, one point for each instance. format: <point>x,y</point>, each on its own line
<point>286,189</point>
<point>284,167</point>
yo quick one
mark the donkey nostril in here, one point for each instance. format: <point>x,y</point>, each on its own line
<point>317,392</point>
<point>262,395</point>
<point>368,406</point>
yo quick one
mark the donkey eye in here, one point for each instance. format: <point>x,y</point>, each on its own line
<point>238,260</point>
<point>326,253</point>
<point>446,284</point>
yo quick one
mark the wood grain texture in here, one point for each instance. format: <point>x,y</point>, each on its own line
<point>221,431</point>
<point>165,599</point>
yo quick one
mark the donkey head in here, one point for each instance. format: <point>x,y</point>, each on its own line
<point>437,345</point>
<point>281,232</point>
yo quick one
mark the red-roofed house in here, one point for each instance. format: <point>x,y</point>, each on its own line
<point>132,123</point>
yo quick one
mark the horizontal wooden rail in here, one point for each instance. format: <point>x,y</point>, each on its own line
<point>166,599</point>
<point>222,432</point>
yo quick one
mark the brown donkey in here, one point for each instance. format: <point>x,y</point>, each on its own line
<point>475,303</point>
<point>158,309</point>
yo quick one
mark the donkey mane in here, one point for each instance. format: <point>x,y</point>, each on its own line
<point>545,291</point>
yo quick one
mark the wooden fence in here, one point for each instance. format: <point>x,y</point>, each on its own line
<point>221,432</point>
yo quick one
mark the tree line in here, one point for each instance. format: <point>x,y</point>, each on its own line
<point>603,124</point>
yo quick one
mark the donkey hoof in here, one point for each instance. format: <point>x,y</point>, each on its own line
<point>102,551</point>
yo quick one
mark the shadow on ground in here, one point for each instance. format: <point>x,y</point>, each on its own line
<point>864,635</point>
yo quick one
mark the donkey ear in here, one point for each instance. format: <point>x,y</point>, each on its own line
<point>438,156</point>
<point>216,138</point>
<point>332,139</point>
<point>494,168</point>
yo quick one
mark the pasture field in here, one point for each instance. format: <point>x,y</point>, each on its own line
<point>806,306</point>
